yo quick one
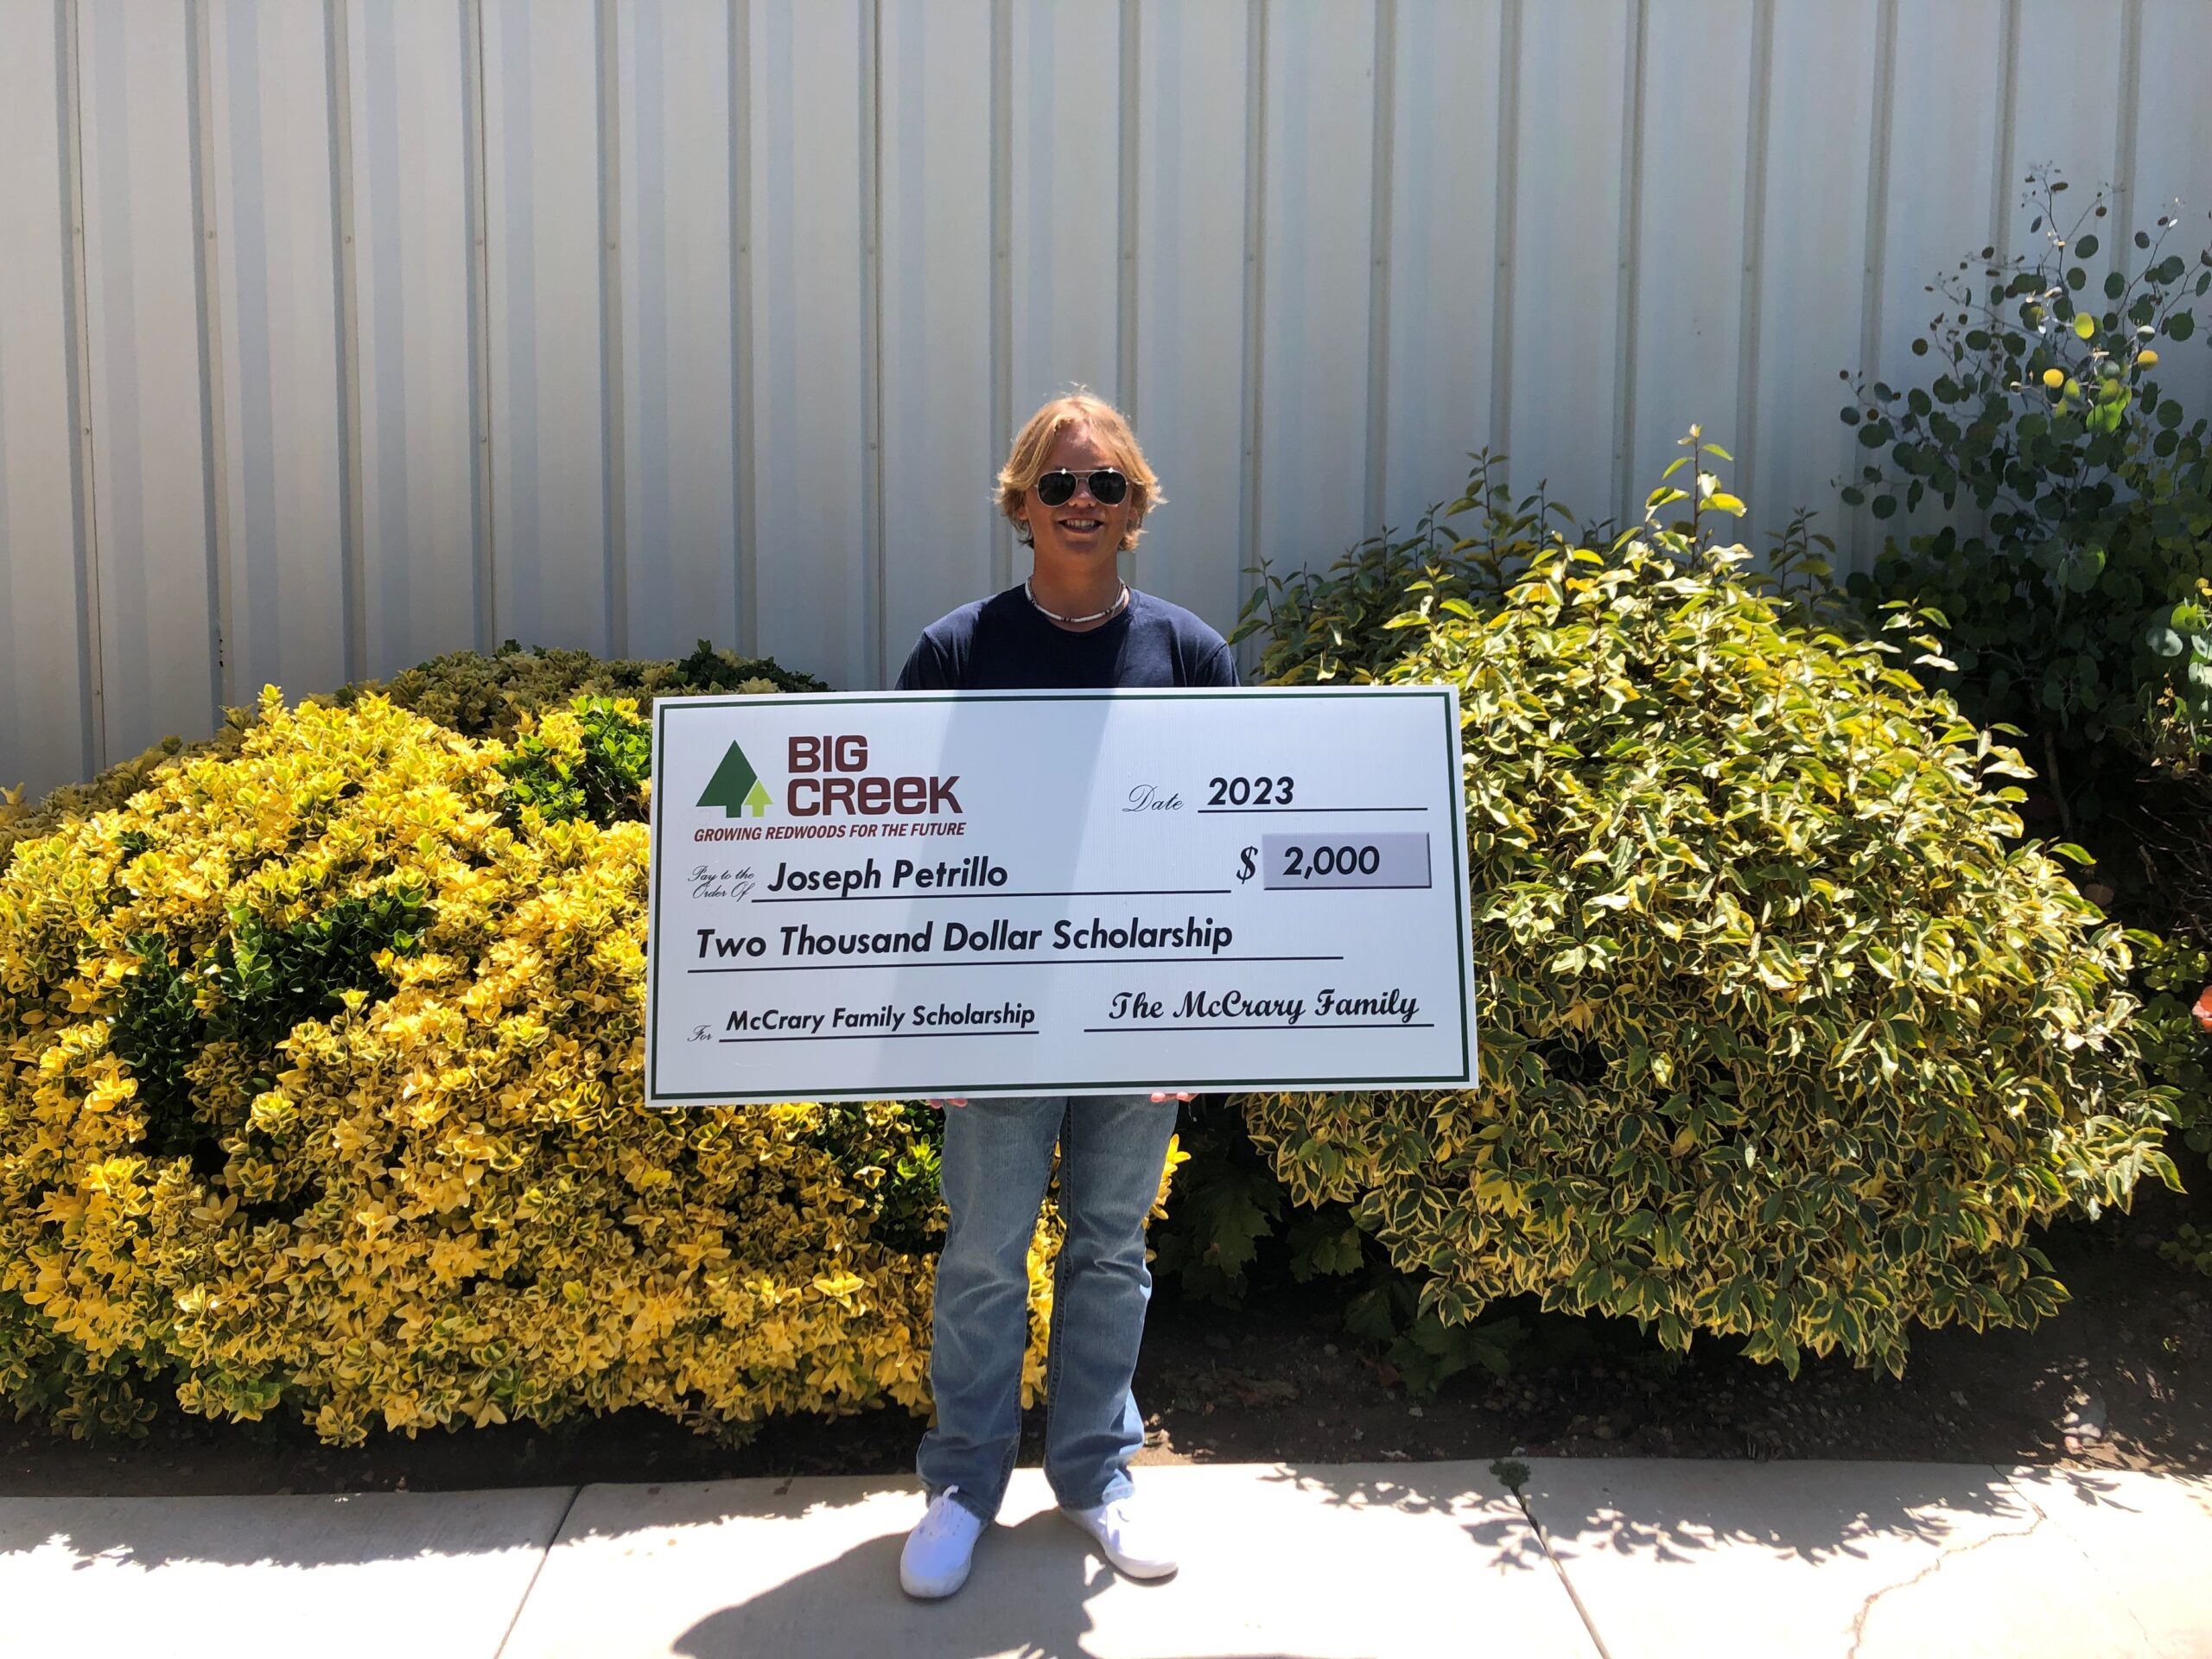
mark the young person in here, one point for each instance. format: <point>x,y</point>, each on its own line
<point>1077,488</point>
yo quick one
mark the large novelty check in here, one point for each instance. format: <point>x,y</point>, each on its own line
<point>876,896</point>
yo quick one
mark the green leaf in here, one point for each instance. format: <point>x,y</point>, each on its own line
<point>2080,568</point>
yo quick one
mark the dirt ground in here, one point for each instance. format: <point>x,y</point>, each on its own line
<point>2121,1378</point>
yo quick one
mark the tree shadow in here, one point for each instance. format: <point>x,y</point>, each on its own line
<point>1677,1510</point>
<point>1487,1514</point>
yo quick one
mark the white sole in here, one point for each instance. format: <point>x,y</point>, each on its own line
<point>1144,1571</point>
<point>907,1585</point>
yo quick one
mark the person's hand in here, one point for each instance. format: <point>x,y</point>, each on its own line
<point>943,1101</point>
<point>1169,1094</point>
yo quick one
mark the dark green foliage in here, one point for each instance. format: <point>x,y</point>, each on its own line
<point>2176,1048</point>
<point>908,1209</point>
<point>263,982</point>
<point>268,980</point>
<point>1426,1352</point>
<point>157,1034</point>
<point>1337,624</point>
<point>2190,1247</point>
<point>2070,580</point>
<point>487,697</point>
<point>1228,1204</point>
<point>605,783</point>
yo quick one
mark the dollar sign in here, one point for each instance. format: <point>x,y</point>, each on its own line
<point>1249,854</point>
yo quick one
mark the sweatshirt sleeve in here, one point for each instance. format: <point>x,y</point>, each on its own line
<point>924,669</point>
<point>1219,669</point>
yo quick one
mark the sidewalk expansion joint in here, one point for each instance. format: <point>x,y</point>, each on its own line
<point>531,1589</point>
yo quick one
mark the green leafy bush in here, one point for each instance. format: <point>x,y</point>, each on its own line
<point>601,775</point>
<point>1338,624</point>
<point>498,695</point>
<point>1785,1035</point>
<point>2071,579</point>
<point>495,696</point>
<point>1234,1236</point>
<point>2190,1247</point>
<point>2175,972</point>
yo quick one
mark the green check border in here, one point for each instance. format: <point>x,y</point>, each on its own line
<point>1448,698</point>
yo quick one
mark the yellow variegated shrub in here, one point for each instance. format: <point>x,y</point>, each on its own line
<point>320,1094</point>
<point>1785,1035</point>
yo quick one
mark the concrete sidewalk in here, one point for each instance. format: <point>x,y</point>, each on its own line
<point>1628,1558</point>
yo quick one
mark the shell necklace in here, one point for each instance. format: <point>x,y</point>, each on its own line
<point>1113,610</point>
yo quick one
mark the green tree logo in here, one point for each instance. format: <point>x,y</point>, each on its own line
<point>735,787</point>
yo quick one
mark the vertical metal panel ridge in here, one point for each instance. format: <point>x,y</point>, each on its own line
<point>1378,239</point>
<point>1125,372</point>
<point>92,677</point>
<point>1002,267</point>
<point>1508,194</point>
<point>613,498</point>
<point>1745,439</point>
<point>1129,117</point>
<point>1631,268</point>
<point>871,205</point>
<point>744,458</point>
<point>480,323</point>
<point>2128,105</point>
<point>1878,217</point>
<point>2008,99</point>
<point>353,584</point>
<point>1256,292</point>
<point>222,669</point>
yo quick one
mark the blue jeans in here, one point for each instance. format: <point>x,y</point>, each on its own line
<point>998,1161</point>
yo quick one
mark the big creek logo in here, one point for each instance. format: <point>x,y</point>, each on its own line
<point>828,776</point>
<point>736,788</point>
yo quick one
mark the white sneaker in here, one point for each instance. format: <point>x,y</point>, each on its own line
<point>1127,1537</point>
<point>940,1549</point>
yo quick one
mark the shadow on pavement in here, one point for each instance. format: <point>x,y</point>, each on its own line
<point>1814,1512</point>
<point>1029,1595</point>
<point>1492,1521</point>
<point>1665,1510</point>
<point>1672,1510</point>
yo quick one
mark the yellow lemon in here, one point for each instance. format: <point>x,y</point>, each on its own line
<point>2054,379</point>
<point>2146,360</point>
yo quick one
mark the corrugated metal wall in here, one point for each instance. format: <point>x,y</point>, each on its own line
<point>337,334</point>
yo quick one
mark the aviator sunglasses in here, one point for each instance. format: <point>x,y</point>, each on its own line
<point>1057,488</point>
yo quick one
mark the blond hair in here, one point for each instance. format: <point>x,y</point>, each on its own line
<point>1035,442</point>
